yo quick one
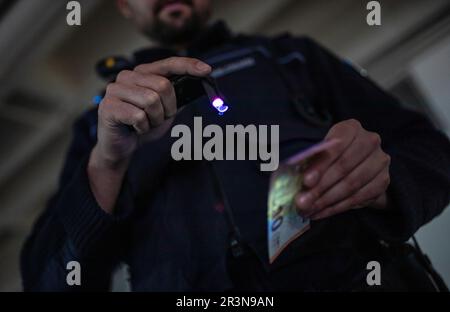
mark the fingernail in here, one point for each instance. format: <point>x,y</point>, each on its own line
<point>304,200</point>
<point>311,178</point>
<point>203,67</point>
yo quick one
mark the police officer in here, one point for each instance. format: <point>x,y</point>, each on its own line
<point>177,224</point>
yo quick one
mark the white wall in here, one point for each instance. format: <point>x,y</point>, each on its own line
<point>431,72</point>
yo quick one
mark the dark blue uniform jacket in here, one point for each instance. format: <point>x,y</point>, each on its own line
<point>167,228</point>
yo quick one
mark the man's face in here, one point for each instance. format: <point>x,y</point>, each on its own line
<point>170,22</point>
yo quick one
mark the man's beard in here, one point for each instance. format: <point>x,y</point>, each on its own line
<point>169,36</point>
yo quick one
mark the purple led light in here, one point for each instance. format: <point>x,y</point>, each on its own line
<point>220,105</point>
<point>222,109</point>
<point>217,103</point>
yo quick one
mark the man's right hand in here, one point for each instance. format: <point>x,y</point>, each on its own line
<point>143,100</point>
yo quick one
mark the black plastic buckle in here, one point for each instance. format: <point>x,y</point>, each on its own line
<point>237,249</point>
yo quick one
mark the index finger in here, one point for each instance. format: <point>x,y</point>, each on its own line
<point>322,161</point>
<point>312,151</point>
<point>175,66</point>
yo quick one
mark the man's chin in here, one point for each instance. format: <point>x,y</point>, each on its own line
<point>175,32</point>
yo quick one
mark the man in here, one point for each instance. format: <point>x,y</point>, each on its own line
<point>123,199</point>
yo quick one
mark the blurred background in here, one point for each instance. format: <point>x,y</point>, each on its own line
<point>47,79</point>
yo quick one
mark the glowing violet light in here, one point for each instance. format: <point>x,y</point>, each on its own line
<point>219,105</point>
<point>222,109</point>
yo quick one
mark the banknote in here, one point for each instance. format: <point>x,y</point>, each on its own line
<point>284,224</point>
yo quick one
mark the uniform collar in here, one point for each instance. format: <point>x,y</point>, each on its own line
<point>216,35</point>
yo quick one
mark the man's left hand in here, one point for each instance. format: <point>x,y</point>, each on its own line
<point>352,174</point>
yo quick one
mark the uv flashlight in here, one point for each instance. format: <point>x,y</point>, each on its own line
<point>190,88</point>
